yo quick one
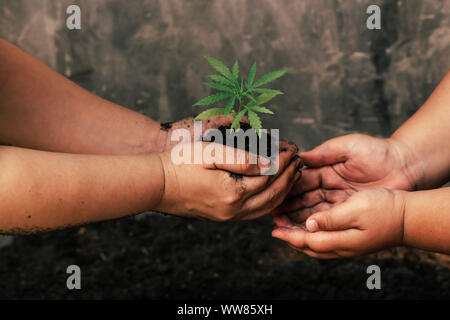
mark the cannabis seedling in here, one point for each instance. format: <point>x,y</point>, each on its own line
<point>240,94</point>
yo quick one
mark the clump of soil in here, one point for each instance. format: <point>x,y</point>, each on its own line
<point>165,126</point>
<point>265,140</point>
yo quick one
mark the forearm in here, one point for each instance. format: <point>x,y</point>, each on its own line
<point>42,191</point>
<point>43,110</point>
<point>427,220</point>
<point>426,136</point>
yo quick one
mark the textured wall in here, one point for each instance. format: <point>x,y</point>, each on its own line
<point>147,55</point>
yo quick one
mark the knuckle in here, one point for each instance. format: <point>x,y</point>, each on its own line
<point>232,198</point>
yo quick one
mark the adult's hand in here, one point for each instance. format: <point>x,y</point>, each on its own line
<point>342,166</point>
<point>210,190</point>
<point>165,143</point>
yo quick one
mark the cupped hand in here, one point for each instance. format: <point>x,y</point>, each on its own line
<point>188,124</point>
<point>342,166</point>
<point>211,191</point>
<point>367,221</point>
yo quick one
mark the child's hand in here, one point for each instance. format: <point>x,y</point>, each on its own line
<point>368,221</point>
<point>210,191</point>
<point>342,166</point>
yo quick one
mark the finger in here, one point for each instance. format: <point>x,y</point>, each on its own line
<point>339,217</point>
<point>294,236</point>
<point>254,185</point>
<point>316,178</point>
<point>318,255</point>
<point>297,204</point>
<point>288,151</point>
<point>310,199</point>
<point>283,221</point>
<point>264,202</point>
<point>217,156</point>
<point>285,145</point>
<point>332,151</point>
<point>300,216</point>
<point>320,242</point>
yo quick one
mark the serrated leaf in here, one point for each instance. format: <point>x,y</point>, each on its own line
<point>236,69</point>
<point>221,80</point>
<point>270,77</point>
<point>237,118</point>
<point>229,106</point>
<point>255,122</point>
<point>218,86</point>
<point>270,91</point>
<point>250,96</point>
<point>262,98</point>
<point>251,75</point>
<point>210,113</point>
<point>220,67</point>
<point>213,98</point>
<point>261,109</point>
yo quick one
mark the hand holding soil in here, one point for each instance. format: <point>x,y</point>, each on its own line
<point>188,124</point>
<point>224,192</point>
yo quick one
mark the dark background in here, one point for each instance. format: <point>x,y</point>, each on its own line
<point>148,56</point>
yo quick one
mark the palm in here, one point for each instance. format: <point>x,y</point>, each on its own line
<point>341,167</point>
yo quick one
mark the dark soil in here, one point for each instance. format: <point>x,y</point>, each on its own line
<point>165,126</point>
<point>247,147</point>
<point>155,256</point>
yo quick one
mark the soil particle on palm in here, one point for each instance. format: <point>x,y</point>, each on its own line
<point>236,176</point>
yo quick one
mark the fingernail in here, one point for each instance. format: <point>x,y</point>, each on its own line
<point>263,162</point>
<point>312,225</point>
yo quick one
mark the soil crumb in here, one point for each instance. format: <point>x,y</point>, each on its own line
<point>236,176</point>
<point>166,126</point>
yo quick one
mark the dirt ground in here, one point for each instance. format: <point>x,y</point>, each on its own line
<point>161,257</point>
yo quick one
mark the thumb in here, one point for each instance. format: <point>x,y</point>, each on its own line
<point>339,217</point>
<point>330,152</point>
<point>236,161</point>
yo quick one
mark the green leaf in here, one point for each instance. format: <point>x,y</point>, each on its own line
<point>270,77</point>
<point>218,86</point>
<point>229,106</point>
<point>250,96</point>
<point>251,75</point>
<point>261,109</point>
<point>236,69</point>
<point>235,124</point>
<point>270,91</point>
<point>213,98</point>
<point>255,122</point>
<point>221,79</point>
<point>210,113</point>
<point>220,67</point>
<point>263,98</point>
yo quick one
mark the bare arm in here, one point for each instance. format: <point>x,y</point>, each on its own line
<point>427,220</point>
<point>427,137</point>
<point>42,191</point>
<point>43,110</point>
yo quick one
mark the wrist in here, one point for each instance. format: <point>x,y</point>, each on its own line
<point>155,139</point>
<point>400,205</point>
<point>411,164</point>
